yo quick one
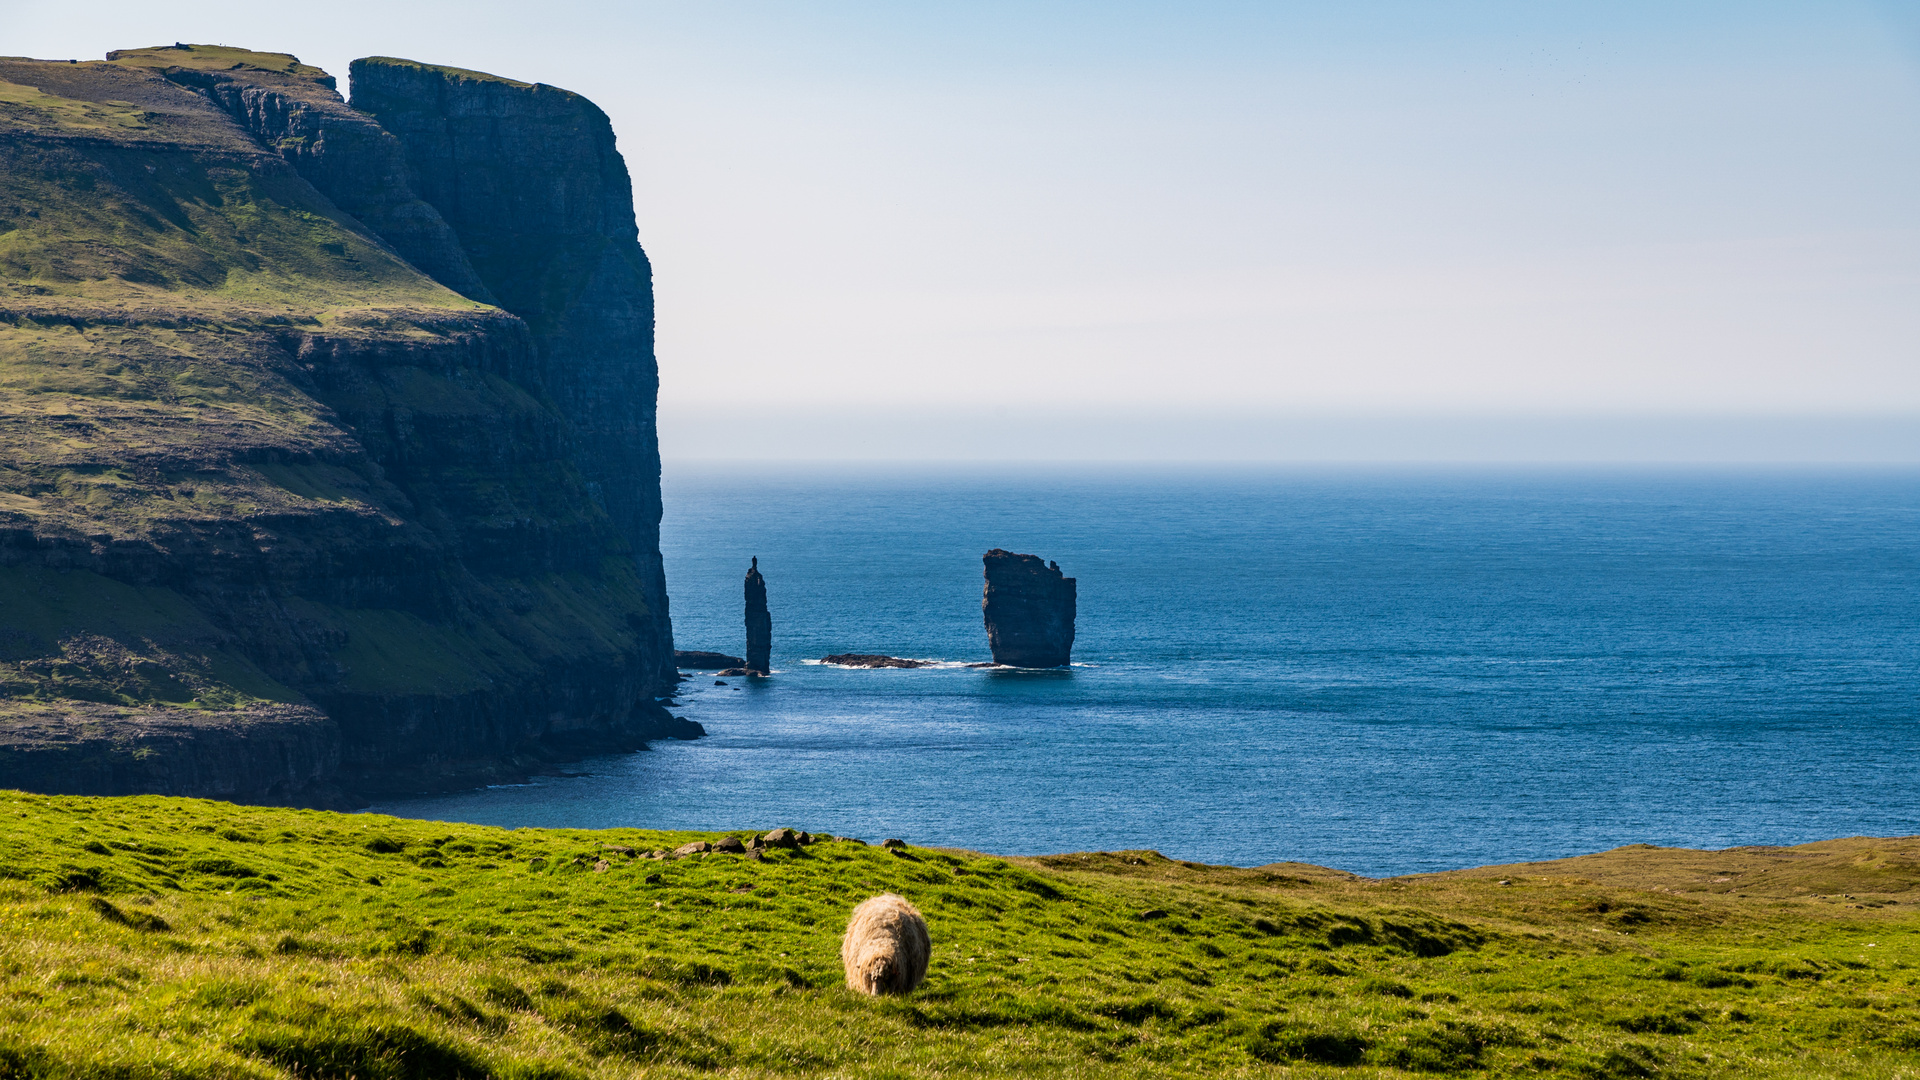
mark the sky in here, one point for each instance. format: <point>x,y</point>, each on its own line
<point>1237,231</point>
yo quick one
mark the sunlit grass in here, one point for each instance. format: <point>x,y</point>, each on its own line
<point>160,937</point>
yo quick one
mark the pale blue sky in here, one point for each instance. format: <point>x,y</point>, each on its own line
<point>1269,210</point>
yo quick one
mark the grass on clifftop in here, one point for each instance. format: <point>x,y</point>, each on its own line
<point>120,189</point>
<point>157,937</point>
<point>445,69</point>
<point>216,58</point>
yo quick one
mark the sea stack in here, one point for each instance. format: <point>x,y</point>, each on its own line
<point>759,623</point>
<point>1029,608</point>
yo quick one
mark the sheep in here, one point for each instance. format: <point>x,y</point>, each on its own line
<point>886,947</point>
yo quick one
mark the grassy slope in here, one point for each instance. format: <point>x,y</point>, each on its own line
<point>217,58</point>
<point>123,645</point>
<point>158,937</point>
<point>174,239</point>
<point>125,191</point>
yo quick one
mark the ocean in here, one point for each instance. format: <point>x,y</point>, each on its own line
<point>1384,671</point>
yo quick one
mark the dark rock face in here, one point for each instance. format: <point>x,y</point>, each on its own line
<point>286,754</point>
<point>693,660</point>
<point>1029,609</point>
<point>759,622</point>
<point>528,177</point>
<point>869,660</point>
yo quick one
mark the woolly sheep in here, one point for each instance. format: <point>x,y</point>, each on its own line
<point>886,947</point>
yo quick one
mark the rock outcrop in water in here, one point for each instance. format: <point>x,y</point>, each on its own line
<point>870,660</point>
<point>1029,609</point>
<point>759,622</point>
<point>327,460</point>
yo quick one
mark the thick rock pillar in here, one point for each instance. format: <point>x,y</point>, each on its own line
<point>1029,608</point>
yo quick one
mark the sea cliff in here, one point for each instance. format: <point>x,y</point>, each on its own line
<point>311,487</point>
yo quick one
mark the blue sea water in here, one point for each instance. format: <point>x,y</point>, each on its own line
<point>1382,671</point>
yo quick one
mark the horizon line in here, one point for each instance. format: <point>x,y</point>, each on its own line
<point>1170,438</point>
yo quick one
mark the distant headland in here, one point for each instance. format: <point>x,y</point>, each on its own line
<point>328,430</point>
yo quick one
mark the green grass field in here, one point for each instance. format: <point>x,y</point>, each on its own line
<point>154,937</point>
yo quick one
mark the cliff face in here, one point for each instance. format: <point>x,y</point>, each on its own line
<point>528,177</point>
<point>282,517</point>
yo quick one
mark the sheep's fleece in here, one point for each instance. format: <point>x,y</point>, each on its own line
<point>886,947</point>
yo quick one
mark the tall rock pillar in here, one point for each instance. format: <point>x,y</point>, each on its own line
<point>1029,607</point>
<point>759,622</point>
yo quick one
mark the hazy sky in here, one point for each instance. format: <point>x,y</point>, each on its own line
<point>1185,209</point>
